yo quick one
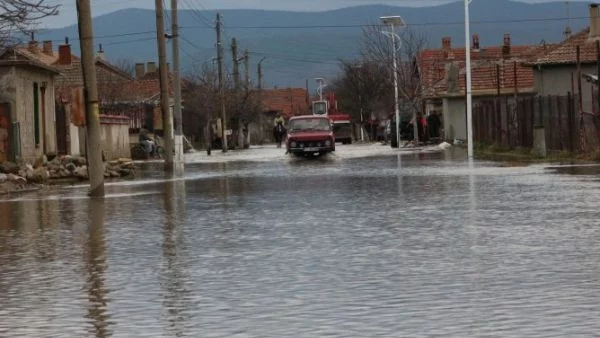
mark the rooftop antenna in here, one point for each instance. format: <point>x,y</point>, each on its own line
<point>568,30</point>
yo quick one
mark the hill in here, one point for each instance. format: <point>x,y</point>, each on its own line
<point>300,46</point>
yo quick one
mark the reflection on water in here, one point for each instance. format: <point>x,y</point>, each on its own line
<point>96,265</point>
<point>412,246</point>
<point>176,294</point>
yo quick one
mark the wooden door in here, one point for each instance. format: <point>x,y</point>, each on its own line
<point>5,126</point>
<point>62,130</point>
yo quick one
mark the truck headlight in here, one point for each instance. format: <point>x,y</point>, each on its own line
<point>327,143</point>
<point>293,144</point>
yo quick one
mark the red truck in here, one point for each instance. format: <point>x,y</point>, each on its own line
<point>310,135</point>
<point>342,123</point>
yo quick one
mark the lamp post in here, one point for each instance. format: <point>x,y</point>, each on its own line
<point>393,22</point>
<point>468,80</point>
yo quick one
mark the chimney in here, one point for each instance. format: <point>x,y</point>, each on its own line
<point>33,45</point>
<point>476,42</point>
<point>47,47</point>
<point>140,70</point>
<point>446,43</point>
<point>594,22</point>
<point>151,67</point>
<point>506,45</point>
<point>64,53</point>
<point>100,53</point>
<point>446,46</point>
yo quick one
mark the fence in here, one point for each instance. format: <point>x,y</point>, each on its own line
<point>511,123</point>
<point>138,114</point>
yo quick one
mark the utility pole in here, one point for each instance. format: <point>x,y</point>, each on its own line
<point>260,74</point>
<point>221,84</point>
<point>260,97</point>
<point>236,66</point>
<point>92,110</point>
<point>246,70</point>
<point>167,117</point>
<point>179,161</point>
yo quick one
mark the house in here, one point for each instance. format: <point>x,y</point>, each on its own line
<point>556,73</point>
<point>288,102</point>
<point>69,87</point>
<point>496,71</point>
<point>144,91</point>
<point>27,112</point>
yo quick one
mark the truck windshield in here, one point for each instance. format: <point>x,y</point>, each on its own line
<point>310,124</point>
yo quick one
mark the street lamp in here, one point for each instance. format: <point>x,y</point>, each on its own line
<point>393,22</point>
<point>468,80</point>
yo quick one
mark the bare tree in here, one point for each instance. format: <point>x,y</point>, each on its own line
<point>377,47</point>
<point>362,86</point>
<point>21,15</point>
<point>202,102</point>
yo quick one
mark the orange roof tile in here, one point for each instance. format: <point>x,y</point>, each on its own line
<point>566,51</point>
<point>71,75</point>
<point>487,64</point>
<point>289,101</point>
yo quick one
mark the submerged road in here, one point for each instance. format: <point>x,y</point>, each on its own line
<point>364,243</point>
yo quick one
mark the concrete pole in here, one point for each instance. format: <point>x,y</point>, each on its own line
<point>260,97</point>
<point>236,65</point>
<point>468,79</point>
<point>164,87</point>
<point>247,70</point>
<point>92,111</point>
<point>221,83</point>
<point>179,160</point>
<point>260,74</point>
<point>396,104</point>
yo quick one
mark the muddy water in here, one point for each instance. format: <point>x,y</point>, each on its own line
<point>417,246</point>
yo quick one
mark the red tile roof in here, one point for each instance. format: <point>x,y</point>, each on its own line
<point>487,64</point>
<point>289,101</point>
<point>71,76</point>
<point>566,51</point>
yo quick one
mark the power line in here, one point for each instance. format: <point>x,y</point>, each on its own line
<point>335,26</point>
<point>439,23</point>
<point>286,58</point>
<point>198,14</point>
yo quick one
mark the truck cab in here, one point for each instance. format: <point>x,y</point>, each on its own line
<point>310,135</point>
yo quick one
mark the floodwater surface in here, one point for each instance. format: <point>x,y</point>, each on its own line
<point>421,245</point>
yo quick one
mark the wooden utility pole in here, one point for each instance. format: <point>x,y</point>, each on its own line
<point>179,161</point>
<point>221,84</point>
<point>92,110</point>
<point>246,70</point>
<point>167,117</point>
<point>236,65</point>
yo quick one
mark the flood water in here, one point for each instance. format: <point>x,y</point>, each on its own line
<point>413,246</point>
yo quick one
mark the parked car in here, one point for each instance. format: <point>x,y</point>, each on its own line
<point>310,135</point>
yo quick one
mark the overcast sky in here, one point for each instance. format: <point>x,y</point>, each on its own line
<point>67,15</point>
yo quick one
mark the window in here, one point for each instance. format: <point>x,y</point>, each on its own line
<point>319,124</point>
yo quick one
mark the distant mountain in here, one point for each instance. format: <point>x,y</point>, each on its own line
<point>311,49</point>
